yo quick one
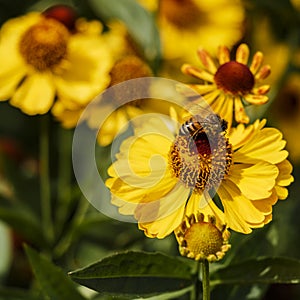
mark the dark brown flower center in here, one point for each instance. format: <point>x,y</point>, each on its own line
<point>44,44</point>
<point>235,78</point>
<point>201,155</point>
<point>181,13</point>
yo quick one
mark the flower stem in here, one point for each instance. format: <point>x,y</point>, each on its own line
<point>64,178</point>
<point>205,280</point>
<point>196,290</point>
<point>45,187</point>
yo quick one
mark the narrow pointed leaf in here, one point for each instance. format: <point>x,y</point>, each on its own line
<point>135,273</point>
<point>260,270</point>
<point>53,281</point>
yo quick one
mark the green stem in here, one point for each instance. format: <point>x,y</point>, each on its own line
<point>45,186</point>
<point>66,241</point>
<point>205,280</point>
<point>64,178</point>
<point>196,290</point>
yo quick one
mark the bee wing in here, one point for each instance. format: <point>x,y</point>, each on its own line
<point>199,109</point>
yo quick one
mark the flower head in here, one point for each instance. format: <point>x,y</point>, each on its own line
<point>161,175</point>
<point>52,55</point>
<point>202,239</point>
<point>230,83</point>
<point>185,24</point>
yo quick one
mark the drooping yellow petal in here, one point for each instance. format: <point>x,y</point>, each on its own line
<point>35,95</point>
<point>239,111</point>
<point>265,205</point>
<point>163,227</point>
<point>204,204</point>
<point>285,170</point>
<point>239,211</point>
<point>162,207</point>
<point>256,181</point>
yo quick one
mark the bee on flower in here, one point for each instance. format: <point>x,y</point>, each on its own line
<point>162,175</point>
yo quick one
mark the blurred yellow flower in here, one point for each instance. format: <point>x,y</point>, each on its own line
<point>186,24</point>
<point>160,175</point>
<point>286,113</point>
<point>41,60</point>
<point>227,86</point>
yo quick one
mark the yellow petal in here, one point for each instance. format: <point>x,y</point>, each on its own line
<point>256,99</point>
<point>203,203</point>
<point>239,210</point>
<point>223,55</point>
<point>240,135</point>
<point>266,144</point>
<point>202,89</point>
<point>281,192</point>
<point>35,95</point>
<point>265,205</point>
<point>163,227</point>
<point>285,169</point>
<point>207,61</point>
<point>197,73</point>
<point>255,182</point>
<point>256,62</point>
<point>115,124</point>
<point>239,111</point>
<point>162,207</point>
<point>242,54</point>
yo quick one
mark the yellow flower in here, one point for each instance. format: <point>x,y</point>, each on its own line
<point>199,238</point>
<point>185,24</point>
<point>41,59</point>
<point>128,67</point>
<point>231,83</point>
<point>160,175</point>
<point>286,112</point>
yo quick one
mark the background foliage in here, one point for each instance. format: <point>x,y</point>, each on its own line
<point>263,265</point>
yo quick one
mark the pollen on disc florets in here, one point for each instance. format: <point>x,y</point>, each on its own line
<point>235,78</point>
<point>201,161</point>
<point>44,45</point>
<point>199,238</point>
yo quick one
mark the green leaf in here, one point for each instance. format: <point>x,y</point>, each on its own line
<point>140,23</point>
<point>135,273</point>
<point>53,281</point>
<point>24,223</point>
<point>260,270</point>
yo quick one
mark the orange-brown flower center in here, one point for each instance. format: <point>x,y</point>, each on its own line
<point>235,78</point>
<point>201,155</point>
<point>129,67</point>
<point>44,44</point>
<point>181,13</point>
